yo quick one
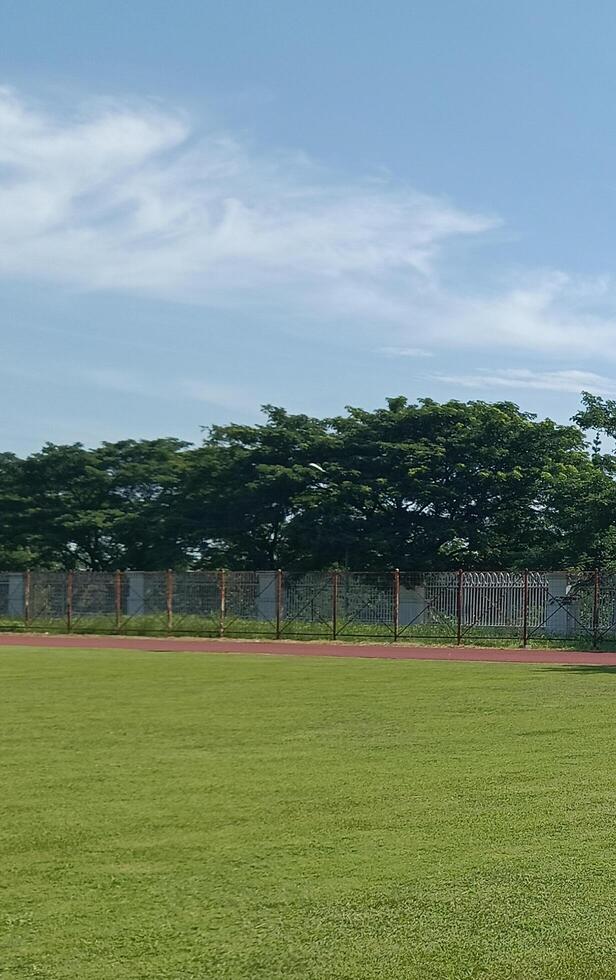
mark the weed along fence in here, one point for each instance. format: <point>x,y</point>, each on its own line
<point>447,607</point>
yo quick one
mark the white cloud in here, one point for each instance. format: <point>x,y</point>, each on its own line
<point>550,313</point>
<point>136,198</point>
<point>140,384</point>
<point>222,395</point>
<point>518,378</point>
<point>188,389</point>
<point>133,199</point>
<point>404,352</point>
<point>113,379</point>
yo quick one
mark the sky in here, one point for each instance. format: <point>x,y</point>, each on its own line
<point>206,207</point>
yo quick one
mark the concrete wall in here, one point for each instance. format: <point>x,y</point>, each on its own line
<point>412,606</point>
<point>266,596</point>
<point>16,595</point>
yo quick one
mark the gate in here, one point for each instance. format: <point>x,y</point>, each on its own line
<point>364,605</point>
<point>566,607</point>
<point>306,605</point>
<point>428,606</point>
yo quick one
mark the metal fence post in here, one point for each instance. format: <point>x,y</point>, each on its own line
<point>396,603</point>
<point>69,601</point>
<point>27,594</point>
<point>595,608</point>
<point>459,607</point>
<point>334,605</point>
<point>169,598</point>
<point>278,602</point>
<point>117,598</point>
<point>223,600</point>
<point>525,610</point>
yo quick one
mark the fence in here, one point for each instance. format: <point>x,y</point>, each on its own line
<point>451,607</point>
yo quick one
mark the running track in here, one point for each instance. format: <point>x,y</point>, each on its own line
<point>313,649</point>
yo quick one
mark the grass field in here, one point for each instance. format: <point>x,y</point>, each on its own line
<point>183,817</point>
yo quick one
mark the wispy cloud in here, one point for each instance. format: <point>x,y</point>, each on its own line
<point>134,197</point>
<point>548,312</point>
<point>222,395</point>
<point>404,352</point>
<point>188,389</point>
<point>519,378</point>
<point>140,384</point>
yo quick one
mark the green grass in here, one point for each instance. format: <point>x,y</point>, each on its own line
<point>187,817</point>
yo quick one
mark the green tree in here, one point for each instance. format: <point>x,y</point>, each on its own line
<point>245,486</point>
<point>428,484</point>
<point>423,485</point>
<point>104,508</point>
<point>16,547</point>
<point>418,485</point>
<point>145,486</point>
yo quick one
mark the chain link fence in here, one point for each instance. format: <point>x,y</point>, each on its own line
<point>446,607</point>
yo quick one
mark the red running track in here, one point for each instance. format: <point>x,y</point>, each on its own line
<point>311,649</point>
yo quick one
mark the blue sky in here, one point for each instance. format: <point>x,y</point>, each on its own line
<point>205,207</point>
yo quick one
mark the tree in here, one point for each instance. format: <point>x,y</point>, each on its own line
<point>246,485</point>
<point>145,480</point>
<point>105,508</point>
<point>426,484</point>
<point>415,485</point>
<point>16,548</point>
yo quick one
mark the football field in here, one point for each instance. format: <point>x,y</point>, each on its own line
<point>182,816</point>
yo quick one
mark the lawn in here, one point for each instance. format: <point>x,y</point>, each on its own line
<point>183,817</point>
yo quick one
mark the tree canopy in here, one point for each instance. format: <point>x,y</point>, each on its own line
<point>414,485</point>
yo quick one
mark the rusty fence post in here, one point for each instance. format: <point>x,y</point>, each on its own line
<point>459,588</point>
<point>595,608</point>
<point>525,609</point>
<point>27,595</point>
<point>69,601</point>
<point>278,602</point>
<point>169,598</point>
<point>223,600</point>
<point>117,598</point>
<point>334,605</point>
<point>396,603</point>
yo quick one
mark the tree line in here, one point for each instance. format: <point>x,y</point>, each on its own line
<point>412,485</point>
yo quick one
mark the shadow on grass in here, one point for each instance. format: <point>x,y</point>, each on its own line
<point>580,668</point>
